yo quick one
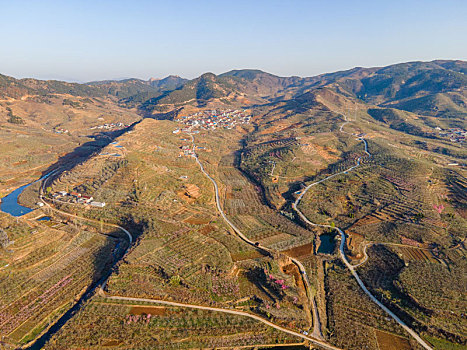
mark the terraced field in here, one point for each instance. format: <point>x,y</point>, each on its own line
<point>393,184</point>
<point>142,325</point>
<point>46,270</point>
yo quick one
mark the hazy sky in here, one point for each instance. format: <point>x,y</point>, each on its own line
<point>99,39</point>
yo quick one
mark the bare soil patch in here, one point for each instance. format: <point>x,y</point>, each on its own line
<point>303,250</point>
<point>146,310</point>
<point>254,254</point>
<point>388,341</point>
<point>111,342</point>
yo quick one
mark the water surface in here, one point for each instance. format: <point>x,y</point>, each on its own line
<point>10,203</point>
<point>327,244</point>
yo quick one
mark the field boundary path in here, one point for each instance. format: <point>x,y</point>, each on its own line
<point>130,238</point>
<point>342,244</point>
<point>39,341</point>
<point>229,311</point>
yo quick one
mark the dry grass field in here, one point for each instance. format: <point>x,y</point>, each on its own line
<point>52,129</point>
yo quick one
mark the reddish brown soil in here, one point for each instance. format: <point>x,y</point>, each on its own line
<point>388,341</point>
<point>206,229</point>
<point>299,251</point>
<point>153,310</point>
<point>111,342</point>
<point>196,221</point>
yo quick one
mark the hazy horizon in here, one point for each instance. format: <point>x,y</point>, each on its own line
<point>71,80</point>
<point>86,41</point>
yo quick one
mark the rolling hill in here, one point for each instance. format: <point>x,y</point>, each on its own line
<point>368,150</point>
<point>423,95</point>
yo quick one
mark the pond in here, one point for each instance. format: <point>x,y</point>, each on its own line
<point>44,218</point>
<point>10,203</point>
<point>327,244</point>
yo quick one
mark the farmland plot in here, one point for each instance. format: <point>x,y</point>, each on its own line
<point>44,277</point>
<point>133,326</point>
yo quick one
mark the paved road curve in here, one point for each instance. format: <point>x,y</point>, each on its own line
<point>101,289</point>
<point>342,245</point>
<point>130,238</point>
<point>316,322</point>
<point>229,311</point>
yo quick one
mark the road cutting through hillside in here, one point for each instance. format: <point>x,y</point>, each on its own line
<point>317,337</point>
<point>128,234</point>
<point>102,293</point>
<point>342,244</point>
<point>51,329</point>
<point>316,322</point>
<point>130,238</point>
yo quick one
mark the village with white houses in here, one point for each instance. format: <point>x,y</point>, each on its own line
<point>213,119</point>
<point>453,134</point>
<point>110,126</point>
<point>76,198</point>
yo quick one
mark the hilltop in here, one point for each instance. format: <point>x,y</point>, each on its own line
<point>435,88</point>
<point>427,99</point>
<point>432,89</point>
<point>202,193</point>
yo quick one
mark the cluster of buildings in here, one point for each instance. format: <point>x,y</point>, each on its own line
<point>454,134</point>
<point>186,150</point>
<point>61,131</point>
<point>213,119</point>
<point>109,126</point>
<point>76,197</point>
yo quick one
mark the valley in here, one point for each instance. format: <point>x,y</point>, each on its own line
<point>240,210</point>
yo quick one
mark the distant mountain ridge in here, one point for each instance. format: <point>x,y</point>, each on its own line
<point>436,88</point>
<point>16,88</point>
<point>405,86</point>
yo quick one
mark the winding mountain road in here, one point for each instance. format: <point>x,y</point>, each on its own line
<point>102,293</point>
<point>316,322</point>
<point>317,336</point>
<point>230,311</point>
<point>342,245</point>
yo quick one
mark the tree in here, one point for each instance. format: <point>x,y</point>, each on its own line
<point>175,280</point>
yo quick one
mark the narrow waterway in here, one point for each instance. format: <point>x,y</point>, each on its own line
<point>10,205</point>
<point>117,254</point>
<point>342,245</point>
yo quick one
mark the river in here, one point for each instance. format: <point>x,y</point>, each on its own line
<point>10,203</point>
